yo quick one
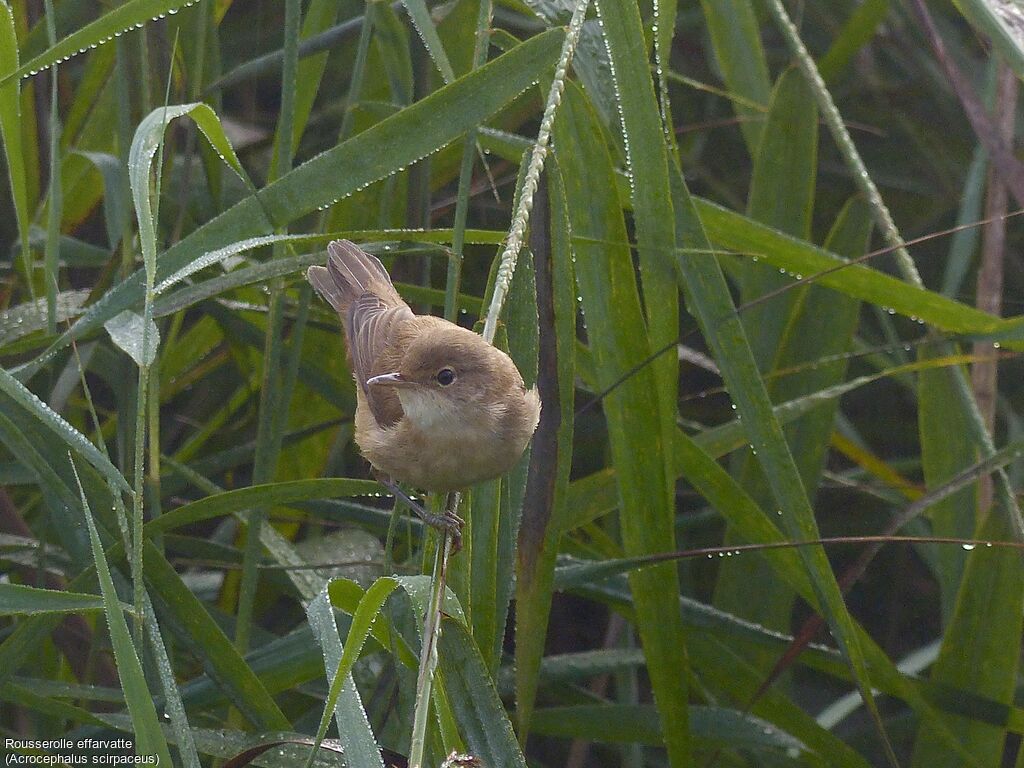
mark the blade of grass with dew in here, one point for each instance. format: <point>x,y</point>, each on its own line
<point>647,167</point>
<point>736,39</point>
<point>482,720</point>
<point>149,739</point>
<point>709,300</point>
<point>23,600</point>
<point>782,196</point>
<point>594,495</point>
<point>619,341</point>
<point>146,142</point>
<point>413,132</point>
<point>353,726</point>
<point>544,509</point>
<point>733,231</point>
<point>10,131</point>
<point>104,29</point>
<point>805,340</point>
<point>420,17</point>
<point>271,494</point>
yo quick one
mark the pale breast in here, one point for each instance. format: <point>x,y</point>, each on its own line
<point>434,449</point>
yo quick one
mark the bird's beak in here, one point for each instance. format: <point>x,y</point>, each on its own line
<point>389,380</point>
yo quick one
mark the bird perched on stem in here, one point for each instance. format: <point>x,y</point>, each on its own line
<point>437,407</point>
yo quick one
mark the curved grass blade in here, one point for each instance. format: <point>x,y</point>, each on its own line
<point>134,14</point>
<point>271,494</point>
<point>803,260</point>
<point>22,600</point>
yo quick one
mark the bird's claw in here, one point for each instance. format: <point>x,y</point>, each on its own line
<point>447,522</point>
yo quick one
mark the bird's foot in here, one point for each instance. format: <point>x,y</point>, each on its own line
<point>447,522</point>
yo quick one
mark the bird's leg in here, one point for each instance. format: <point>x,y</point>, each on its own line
<point>449,521</point>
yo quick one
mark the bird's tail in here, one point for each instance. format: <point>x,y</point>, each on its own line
<point>350,273</point>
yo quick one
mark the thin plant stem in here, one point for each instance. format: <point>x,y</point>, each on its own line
<point>517,232</point>
<point>844,142</point>
<point>428,649</point>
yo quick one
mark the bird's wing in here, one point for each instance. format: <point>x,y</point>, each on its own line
<point>372,323</point>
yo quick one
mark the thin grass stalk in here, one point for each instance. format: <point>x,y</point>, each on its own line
<point>54,205</point>
<point>451,291</point>
<point>517,232</point>
<point>844,142</point>
<point>428,649</point>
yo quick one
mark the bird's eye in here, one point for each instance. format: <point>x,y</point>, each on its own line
<point>445,376</point>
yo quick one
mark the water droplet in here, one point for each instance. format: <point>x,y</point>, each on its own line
<point>967,547</point>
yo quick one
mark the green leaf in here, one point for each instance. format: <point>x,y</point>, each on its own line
<point>420,17</point>
<point>980,651</point>
<point>126,331</point>
<point>270,494</point>
<point>709,299</point>
<point>181,611</point>
<point>147,139</point>
<point>781,195</point>
<point>638,723</point>
<point>855,34</point>
<point>132,14</point>
<point>22,600</point>
<point>731,230</point>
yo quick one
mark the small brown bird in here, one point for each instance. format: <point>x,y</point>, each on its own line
<point>437,407</point>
